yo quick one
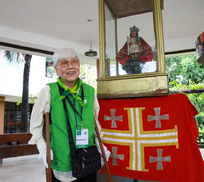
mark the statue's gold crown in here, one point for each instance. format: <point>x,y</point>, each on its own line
<point>134,29</point>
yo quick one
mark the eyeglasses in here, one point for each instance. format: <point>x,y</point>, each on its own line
<point>64,63</point>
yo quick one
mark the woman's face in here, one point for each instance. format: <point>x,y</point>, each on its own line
<point>68,69</point>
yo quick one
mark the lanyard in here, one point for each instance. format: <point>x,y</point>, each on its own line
<point>71,104</point>
<point>74,111</point>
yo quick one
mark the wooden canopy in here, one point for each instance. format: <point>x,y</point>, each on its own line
<point>125,8</point>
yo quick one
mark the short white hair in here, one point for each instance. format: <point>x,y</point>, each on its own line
<point>64,53</point>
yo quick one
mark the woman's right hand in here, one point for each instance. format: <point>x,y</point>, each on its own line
<point>43,155</point>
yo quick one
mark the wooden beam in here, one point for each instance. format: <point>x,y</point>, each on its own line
<point>181,51</point>
<point>5,44</point>
<point>187,91</point>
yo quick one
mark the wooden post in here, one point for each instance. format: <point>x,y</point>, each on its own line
<point>2,109</point>
<point>48,170</point>
<point>105,168</point>
<point>98,68</point>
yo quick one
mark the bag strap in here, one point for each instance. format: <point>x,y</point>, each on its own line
<point>71,139</point>
<point>69,101</point>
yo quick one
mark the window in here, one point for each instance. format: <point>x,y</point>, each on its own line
<point>12,117</point>
<point>50,71</point>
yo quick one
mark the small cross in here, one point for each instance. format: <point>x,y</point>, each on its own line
<point>115,156</point>
<point>157,117</point>
<point>113,118</point>
<point>159,159</point>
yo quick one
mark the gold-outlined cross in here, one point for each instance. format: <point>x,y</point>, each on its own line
<point>137,138</point>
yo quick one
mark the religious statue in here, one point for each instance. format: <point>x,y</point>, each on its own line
<point>135,53</point>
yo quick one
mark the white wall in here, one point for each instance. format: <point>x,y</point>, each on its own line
<point>37,75</point>
<point>11,79</point>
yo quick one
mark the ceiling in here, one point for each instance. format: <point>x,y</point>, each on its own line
<point>51,24</point>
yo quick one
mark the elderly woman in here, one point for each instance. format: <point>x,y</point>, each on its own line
<point>67,67</point>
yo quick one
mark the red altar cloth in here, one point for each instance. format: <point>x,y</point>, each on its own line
<point>152,138</point>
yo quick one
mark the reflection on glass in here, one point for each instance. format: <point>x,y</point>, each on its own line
<point>110,62</point>
<point>129,43</point>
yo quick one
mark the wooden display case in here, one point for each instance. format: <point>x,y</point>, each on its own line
<point>115,81</point>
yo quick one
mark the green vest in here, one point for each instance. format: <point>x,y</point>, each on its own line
<point>59,141</point>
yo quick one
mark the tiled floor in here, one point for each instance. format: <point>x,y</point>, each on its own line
<point>30,169</point>
<point>22,169</point>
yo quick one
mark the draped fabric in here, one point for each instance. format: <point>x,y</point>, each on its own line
<point>152,138</point>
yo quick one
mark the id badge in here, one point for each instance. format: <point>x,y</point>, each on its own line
<point>81,138</point>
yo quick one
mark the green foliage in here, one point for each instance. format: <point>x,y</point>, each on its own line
<point>197,100</point>
<point>88,74</point>
<point>173,85</point>
<point>9,55</point>
<point>184,72</point>
<point>13,56</point>
<point>18,103</point>
<point>31,99</point>
<point>200,119</point>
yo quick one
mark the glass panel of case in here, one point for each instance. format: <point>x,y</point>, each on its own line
<point>130,44</point>
<point>110,62</point>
